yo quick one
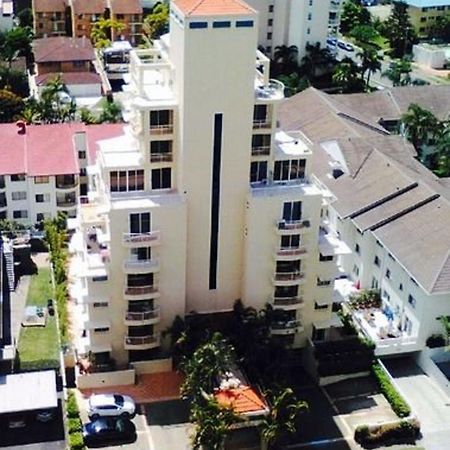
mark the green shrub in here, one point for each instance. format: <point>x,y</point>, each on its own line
<point>436,340</point>
<point>74,425</point>
<point>76,441</point>
<point>402,432</point>
<point>72,406</point>
<point>398,404</point>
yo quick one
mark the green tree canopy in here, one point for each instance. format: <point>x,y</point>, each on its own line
<point>399,30</point>
<point>157,22</point>
<point>399,72</point>
<point>16,42</point>
<point>353,15</point>
<point>347,75</point>
<point>101,31</point>
<point>11,106</point>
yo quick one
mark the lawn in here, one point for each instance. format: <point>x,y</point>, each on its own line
<point>38,346</point>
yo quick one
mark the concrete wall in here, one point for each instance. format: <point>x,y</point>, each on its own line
<point>156,366</point>
<point>95,380</point>
<point>427,359</point>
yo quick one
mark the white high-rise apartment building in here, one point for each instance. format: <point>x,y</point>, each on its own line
<point>203,200</point>
<point>295,22</point>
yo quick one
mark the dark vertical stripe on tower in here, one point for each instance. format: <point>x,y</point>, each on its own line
<point>215,201</point>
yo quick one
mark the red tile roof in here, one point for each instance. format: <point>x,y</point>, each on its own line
<point>58,49</point>
<point>69,78</point>
<point>243,400</point>
<point>88,6</point>
<point>213,7</point>
<point>47,149</point>
<point>49,6</point>
<point>126,6</point>
<point>97,133</point>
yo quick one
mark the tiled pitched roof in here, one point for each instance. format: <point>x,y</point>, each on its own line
<point>243,400</point>
<point>49,6</point>
<point>88,6</point>
<point>58,49</point>
<point>213,7</point>
<point>126,6</point>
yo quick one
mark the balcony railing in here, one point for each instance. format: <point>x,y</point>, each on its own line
<point>289,276</point>
<point>142,342</point>
<point>161,129</point>
<point>142,316</point>
<point>66,183</point>
<point>138,238</point>
<point>146,264</point>
<point>161,157</point>
<point>284,325</point>
<point>261,151</point>
<point>293,224</point>
<point>287,301</point>
<point>66,202</point>
<point>140,290</point>
<point>292,251</point>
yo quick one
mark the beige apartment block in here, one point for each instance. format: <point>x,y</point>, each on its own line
<point>203,200</point>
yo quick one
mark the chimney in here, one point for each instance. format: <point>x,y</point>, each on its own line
<point>22,128</point>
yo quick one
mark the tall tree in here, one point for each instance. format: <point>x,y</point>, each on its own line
<point>353,15</point>
<point>420,125</point>
<point>16,42</point>
<point>441,28</point>
<point>370,62</point>
<point>347,75</point>
<point>399,30</point>
<point>285,58</point>
<point>101,31</point>
<point>11,106</point>
<point>157,22</point>
<point>282,420</point>
<point>399,72</point>
<point>315,60</point>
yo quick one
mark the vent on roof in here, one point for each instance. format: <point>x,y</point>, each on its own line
<point>337,173</point>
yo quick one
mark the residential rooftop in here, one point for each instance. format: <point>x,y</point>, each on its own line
<point>49,6</point>
<point>213,7</point>
<point>59,49</point>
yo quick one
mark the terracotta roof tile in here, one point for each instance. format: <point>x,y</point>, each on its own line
<point>58,49</point>
<point>49,6</point>
<point>213,7</point>
<point>126,6</point>
<point>88,6</point>
<point>69,78</point>
<point>243,400</point>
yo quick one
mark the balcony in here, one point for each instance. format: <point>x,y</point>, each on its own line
<point>289,253</point>
<point>261,151</point>
<point>272,90</point>
<point>161,129</point>
<point>148,317</point>
<point>141,266</point>
<point>288,302</point>
<point>292,226</point>
<point>264,123</point>
<point>66,201</point>
<point>161,157</point>
<point>137,239</point>
<point>141,292</point>
<point>66,182</point>
<point>142,342</point>
<point>286,327</point>
<point>288,278</point>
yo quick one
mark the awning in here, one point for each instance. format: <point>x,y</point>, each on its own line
<point>28,392</point>
<point>92,324</point>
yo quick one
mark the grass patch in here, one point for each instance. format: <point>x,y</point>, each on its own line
<point>38,346</point>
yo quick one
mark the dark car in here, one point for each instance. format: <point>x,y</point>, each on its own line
<point>109,431</point>
<point>50,307</point>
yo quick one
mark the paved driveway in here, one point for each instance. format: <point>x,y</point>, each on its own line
<point>431,405</point>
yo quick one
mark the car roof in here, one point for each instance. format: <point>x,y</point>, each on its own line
<point>102,399</point>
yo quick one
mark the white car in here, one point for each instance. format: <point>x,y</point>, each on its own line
<point>110,405</point>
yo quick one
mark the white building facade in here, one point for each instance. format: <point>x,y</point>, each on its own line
<point>202,201</point>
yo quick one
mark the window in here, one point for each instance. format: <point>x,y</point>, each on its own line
<point>270,22</point>
<point>222,24</point>
<point>162,178</point>
<point>400,287</point>
<point>309,16</point>
<point>260,144</point>
<point>100,278</point>
<point>122,181</point>
<point>286,291</point>
<point>82,154</point>
<point>120,16</point>
<point>41,180</point>
<point>271,8</point>
<point>288,266</point>
<point>3,201</point>
<point>268,49</point>
<point>83,172</point>
<point>292,241</point>
<point>20,214</point>
<point>42,198</point>
<point>356,270</point>
<point>357,249</point>
<point>423,19</point>
<point>325,257</point>
<point>78,64</point>
<point>244,24</point>
<point>141,253</point>
<point>139,280</point>
<point>317,306</point>
<point>308,31</point>
<point>310,2</point>
<point>18,177</point>
<point>140,223</point>
<point>269,36</point>
<point>289,170</point>
<point>198,25</point>
<point>376,261</point>
<point>258,171</point>
<point>388,273</point>
<point>260,114</point>
<point>411,300</point>
<point>100,304</point>
<point>101,330</point>
<point>22,195</point>
<point>2,181</point>
<point>292,211</point>
<point>40,217</point>
<point>385,295</point>
<point>323,282</point>
<point>160,151</point>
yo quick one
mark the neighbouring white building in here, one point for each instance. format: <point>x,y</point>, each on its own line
<point>43,168</point>
<point>6,15</point>
<point>203,200</point>
<point>296,22</point>
<point>392,212</point>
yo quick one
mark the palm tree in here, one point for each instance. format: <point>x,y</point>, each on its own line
<point>398,72</point>
<point>212,423</point>
<point>371,62</point>
<point>419,125</point>
<point>285,57</point>
<point>347,75</point>
<point>316,58</point>
<point>282,419</point>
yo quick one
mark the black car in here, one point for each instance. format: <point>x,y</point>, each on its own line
<point>50,307</point>
<point>108,431</point>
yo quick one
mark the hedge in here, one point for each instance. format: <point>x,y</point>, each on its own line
<point>402,432</point>
<point>398,404</point>
<point>72,406</point>
<point>74,425</point>
<point>76,441</point>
